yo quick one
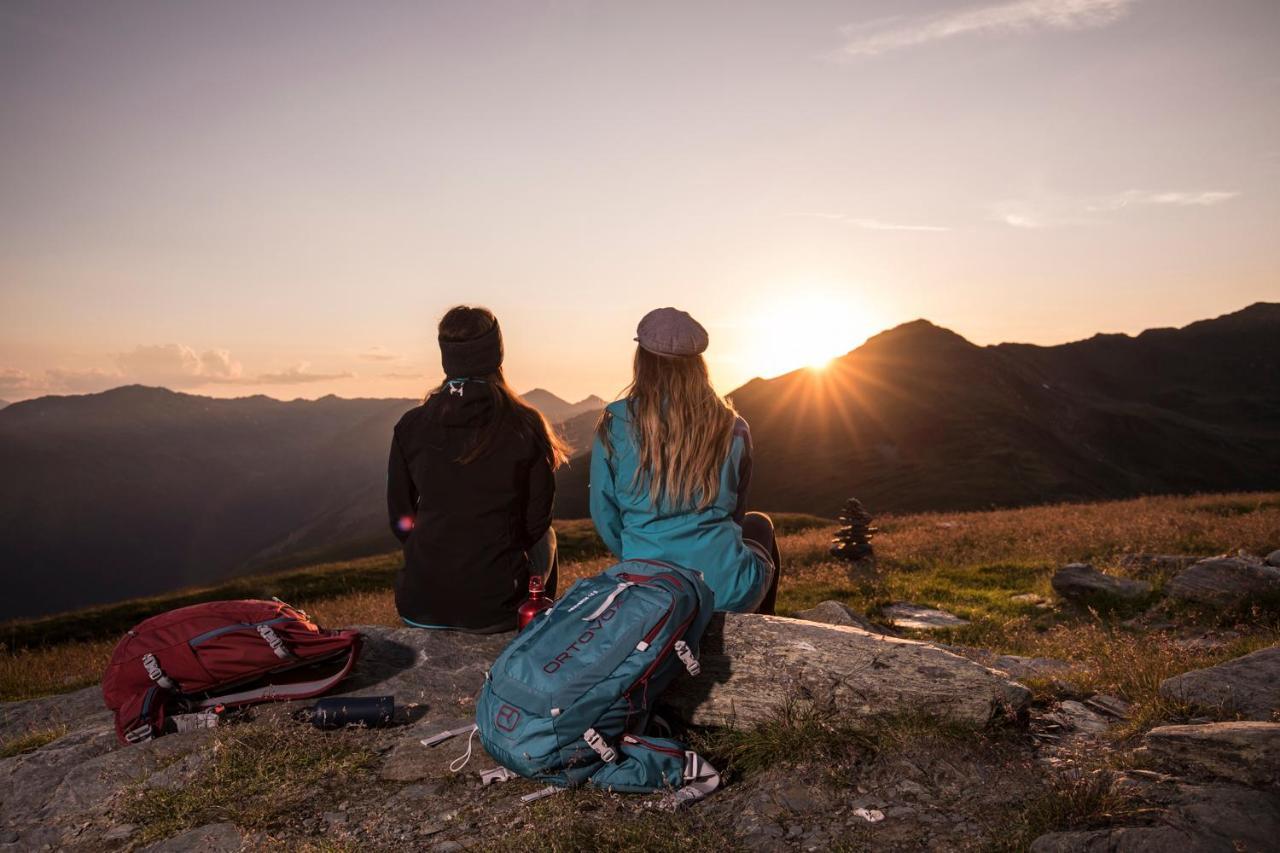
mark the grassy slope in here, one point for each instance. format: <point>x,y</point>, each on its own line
<point>969,563</point>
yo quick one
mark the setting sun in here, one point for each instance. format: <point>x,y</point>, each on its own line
<point>809,330</point>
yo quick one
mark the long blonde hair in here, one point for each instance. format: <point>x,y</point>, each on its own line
<point>683,430</point>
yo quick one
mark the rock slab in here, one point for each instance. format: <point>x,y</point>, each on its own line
<point>921,618</point>
<point>754,665</point>
<point>1082,583</point>
<point>1245,751</point>
<point>1248,686</point>
<point>1197,819</point>
<point>1224,582</point>
<point>837,613</point>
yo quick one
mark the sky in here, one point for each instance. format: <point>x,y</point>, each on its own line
<point>234,197</point>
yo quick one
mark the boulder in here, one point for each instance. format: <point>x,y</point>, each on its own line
<point>1074,716</point>
<point>1246,751</point>
<point>1273,559</point>
<point>906,615</point>
<point>211,838</point>
<point>837,613</point>
<point>1082,583</point>
<point>753,665</point>
<point>1248,686</point>
<point>1197,819</point>
<point>1224,582</point>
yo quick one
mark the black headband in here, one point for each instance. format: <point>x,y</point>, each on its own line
<point>478,356</point>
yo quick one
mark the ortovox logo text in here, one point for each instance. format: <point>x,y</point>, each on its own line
<point>584,639</point>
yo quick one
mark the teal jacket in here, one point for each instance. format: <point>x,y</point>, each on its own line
<point>707,540</point>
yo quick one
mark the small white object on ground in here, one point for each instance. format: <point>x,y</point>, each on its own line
<point>870,815</point>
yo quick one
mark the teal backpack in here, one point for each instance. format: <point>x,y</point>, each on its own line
<point>568,700</point>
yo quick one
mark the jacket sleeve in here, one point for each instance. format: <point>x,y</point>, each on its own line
<point>542,496</point>
<point>604,501</point>
<point>402,494</point>
<point>743,431</point>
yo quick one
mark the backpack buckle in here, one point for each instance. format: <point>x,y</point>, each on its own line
<point>686,657</point>
<point>598,743</point>
<point>139,734</point>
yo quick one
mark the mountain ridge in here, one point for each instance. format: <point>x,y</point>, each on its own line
<point>137,490</point>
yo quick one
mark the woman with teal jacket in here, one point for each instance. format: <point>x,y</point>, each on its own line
<point>670,468</point>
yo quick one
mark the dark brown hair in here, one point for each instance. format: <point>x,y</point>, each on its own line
<point>464,323</point>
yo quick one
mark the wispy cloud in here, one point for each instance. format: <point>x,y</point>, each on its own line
<point>298,374</point>
<point>378,353</point>
<point>175,366</point>
<point>897,32</point>
<point>1128,198</point>
<point>1052,211</point>
<point>871,224</point>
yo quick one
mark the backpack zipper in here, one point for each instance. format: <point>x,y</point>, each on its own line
<point>241,626</point>
<point>639,741</point>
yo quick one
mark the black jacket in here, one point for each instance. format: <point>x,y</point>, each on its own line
<point>468,527</point>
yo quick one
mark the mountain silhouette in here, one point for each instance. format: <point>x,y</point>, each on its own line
<point>918,418</point>
<point>139,490</point>
<point>557,410</point>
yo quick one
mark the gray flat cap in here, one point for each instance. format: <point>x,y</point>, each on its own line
<point>670,331</point>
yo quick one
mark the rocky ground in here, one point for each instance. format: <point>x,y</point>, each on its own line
<point>1193,764</point>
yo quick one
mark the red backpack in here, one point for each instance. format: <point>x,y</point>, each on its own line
<point>223,653</point>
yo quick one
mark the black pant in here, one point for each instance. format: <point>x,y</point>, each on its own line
<point>758,527</point>
<point>544,561</point>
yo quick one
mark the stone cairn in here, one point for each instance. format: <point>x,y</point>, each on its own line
<point>852,541</point>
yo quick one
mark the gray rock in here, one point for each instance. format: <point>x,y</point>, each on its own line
<point>1248,686</point>
<point>1071,714</point>
<point>1022,667</point>
<point>119,832</point>
<point>1082,583</point>
<point>1247,751</point>
<point>801,799</point>
<point>1224,582</point>
<point>410,761</point>
<point>1123,839</point>
<point>211,838</point>
<point>907,615</point>
<point>837,613</point>
<point>1273,559</point>
<point>1198,819</point>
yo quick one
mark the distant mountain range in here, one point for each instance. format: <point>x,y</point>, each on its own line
<point>558,410</point>
<point>918,418</point>
<point>138,490</point>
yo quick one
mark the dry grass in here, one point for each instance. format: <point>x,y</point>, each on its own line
<point>31,740</point>
<point>259,775</point>
<point>52,669</point>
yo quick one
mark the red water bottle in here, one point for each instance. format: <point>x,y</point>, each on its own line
<point>534,604</point>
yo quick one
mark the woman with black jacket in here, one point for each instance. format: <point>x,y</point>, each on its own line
<point>470,488</point>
